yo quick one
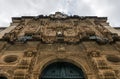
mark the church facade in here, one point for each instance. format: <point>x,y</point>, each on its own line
<point>59,46</point>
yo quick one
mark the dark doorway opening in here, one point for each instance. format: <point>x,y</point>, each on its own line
<point>62,70</point>
<point>3,77</point>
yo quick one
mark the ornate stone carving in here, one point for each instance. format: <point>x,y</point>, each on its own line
<point>94,54</point>
<point>58,15</point>
<point>38,41</point>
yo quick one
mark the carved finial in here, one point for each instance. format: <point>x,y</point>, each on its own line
<point>58,15</point>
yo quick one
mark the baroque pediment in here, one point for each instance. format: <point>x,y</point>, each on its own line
<point>63,28</point>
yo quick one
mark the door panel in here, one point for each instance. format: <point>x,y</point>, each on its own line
<point>62,70</point>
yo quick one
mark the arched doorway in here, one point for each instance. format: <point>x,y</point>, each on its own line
<point>62,70</point>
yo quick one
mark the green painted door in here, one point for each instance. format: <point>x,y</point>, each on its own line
<point>62,70</point>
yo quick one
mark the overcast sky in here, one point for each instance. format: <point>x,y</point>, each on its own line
<point>13,8</point>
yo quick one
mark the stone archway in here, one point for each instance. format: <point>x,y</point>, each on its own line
<point>52,59</point>
<point>62,70</point>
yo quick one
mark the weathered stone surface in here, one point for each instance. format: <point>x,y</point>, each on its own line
<point>31,43</point>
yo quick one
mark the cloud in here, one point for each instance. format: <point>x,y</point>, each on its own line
<point>109,8</point>
<point>14,8</point>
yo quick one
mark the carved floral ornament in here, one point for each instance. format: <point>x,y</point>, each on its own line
<point>94,54</point>
<point>30,52</point>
